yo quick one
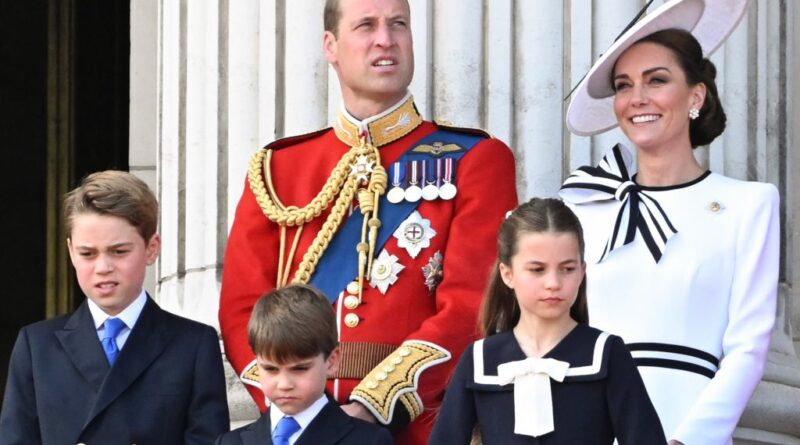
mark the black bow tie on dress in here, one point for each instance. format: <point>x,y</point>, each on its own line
<point>639,211</point>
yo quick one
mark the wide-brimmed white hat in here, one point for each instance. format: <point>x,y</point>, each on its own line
<point>591,110</point>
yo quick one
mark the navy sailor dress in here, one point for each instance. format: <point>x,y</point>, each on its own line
<point>601,397</point>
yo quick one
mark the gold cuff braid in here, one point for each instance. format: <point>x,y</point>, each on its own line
<point>396,379</point>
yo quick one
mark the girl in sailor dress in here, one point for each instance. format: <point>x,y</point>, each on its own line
<point>543,376</point>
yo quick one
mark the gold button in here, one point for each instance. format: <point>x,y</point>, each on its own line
<point>372,385</point>
<point>351,320</point>
<point>352,287</point>
<point>714,207</point>
<point>396,360</point>
<point>380,376</point>
<point>351,302</point>
<point>388,368</point>
<point>404,352</point>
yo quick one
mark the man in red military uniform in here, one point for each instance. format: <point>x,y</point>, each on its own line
<point>394,217</point>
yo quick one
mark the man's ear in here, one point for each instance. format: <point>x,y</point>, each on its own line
<point>330,46</point>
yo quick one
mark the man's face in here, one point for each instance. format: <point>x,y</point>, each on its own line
<point>372,53</point>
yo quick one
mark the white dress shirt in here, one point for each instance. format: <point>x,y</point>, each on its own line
<point>303,418</point>
<point>129,316</point>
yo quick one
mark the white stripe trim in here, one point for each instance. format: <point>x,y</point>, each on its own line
<point>481,378</point>
<point>675,356</point>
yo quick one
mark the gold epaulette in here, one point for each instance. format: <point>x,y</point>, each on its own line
<point>396,379</point>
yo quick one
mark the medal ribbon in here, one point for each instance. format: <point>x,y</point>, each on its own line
<point>414,170</point>
<point>398,174</point>
<point>639,211</point>
<point>449,168</point>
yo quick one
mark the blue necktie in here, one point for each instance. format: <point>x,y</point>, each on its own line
<point>113,328</point>
<point>284,430</point>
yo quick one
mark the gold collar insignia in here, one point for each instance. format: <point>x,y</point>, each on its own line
<point>381,129</point>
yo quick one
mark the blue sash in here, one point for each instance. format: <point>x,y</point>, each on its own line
<point>339,264</point>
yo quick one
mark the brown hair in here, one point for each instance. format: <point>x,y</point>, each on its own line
<point>331,16</point>
<point>698,69</point>
<point>293,322</point>
<point>114,193</point>
<point>500,311</point>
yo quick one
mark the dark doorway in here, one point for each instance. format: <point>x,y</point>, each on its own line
<point>63,114</point>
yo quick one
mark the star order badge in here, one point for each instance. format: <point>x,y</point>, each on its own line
<point>414,234</point>
<point>384,271</point>
<point>362,168</point>
<point>433,272</point>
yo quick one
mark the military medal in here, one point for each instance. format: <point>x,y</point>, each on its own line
<point>430,191</point>
<point>413,192</point>
<point>361,169</point>
<point>396,193</point>
<point>448,190</point>
<point>384,271</point>
<point>433,271</point>
<point>414,233</point>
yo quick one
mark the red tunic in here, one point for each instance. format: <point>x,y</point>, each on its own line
<point>466,230</point>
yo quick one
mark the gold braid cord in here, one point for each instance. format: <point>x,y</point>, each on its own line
<point>359,167</point>
<point>395,380</point>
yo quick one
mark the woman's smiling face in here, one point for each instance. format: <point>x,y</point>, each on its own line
<point>653,97</point>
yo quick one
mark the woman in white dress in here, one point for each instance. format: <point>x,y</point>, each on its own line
<point>682,263</point>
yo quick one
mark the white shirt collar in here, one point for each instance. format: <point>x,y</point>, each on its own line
<point>129,315</point>
<point>303,418</point>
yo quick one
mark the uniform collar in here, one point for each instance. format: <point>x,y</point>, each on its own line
<point>381,129</point>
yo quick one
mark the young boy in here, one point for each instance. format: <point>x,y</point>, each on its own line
<point>118,370</point>
<point>292,332</point>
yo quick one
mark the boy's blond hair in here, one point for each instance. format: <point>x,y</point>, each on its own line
<point>115,193</point>
<point>294,322</point>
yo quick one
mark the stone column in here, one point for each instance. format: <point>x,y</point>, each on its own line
<point>214,80</point>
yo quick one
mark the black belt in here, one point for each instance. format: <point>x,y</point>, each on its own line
<point>681,357</point>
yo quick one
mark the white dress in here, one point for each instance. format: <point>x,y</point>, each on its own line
<point>711,295</point>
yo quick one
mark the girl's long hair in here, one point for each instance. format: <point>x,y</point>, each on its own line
<point>500,311</point>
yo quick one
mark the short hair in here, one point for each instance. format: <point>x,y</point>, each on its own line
<point>331,16</point>
<point>293,322</point>
<point>697,69</point>
<point>114,193</point>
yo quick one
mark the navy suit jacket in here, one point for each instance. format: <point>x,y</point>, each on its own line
<point>331,426</point>
<point>166,387</point>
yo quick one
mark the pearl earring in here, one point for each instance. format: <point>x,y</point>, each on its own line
<point>694,113</point>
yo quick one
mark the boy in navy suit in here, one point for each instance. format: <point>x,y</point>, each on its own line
<point>292,332</point>
<point>118,370</point>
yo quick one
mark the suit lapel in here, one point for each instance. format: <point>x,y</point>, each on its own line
<point>146,342</point>
<point>328,427</point>
<point>258,432</point>
<point>80,342</point>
